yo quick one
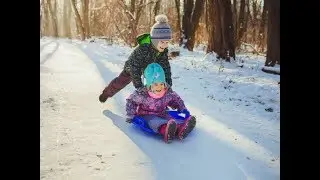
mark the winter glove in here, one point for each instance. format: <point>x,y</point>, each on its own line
<point>186,112</point>
<point>102,98</point>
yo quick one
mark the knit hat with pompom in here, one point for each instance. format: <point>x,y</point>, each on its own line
<point>161,30</point>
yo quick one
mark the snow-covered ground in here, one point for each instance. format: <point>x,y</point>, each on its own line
<point>238,118</point>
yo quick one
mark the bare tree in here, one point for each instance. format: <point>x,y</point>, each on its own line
<point>254,21</point>
<point>53,15</point>
<point>133,14</point>
<point>262,28</point>
<point>187,11</point>
<point>66,19</point>
<point>156,8</point>
<point>193,23</point>
<point>85,12</point>
<point>235,14</point>
<point>191,17</point>
<point>273,39</point>
<point>241,28</point>
<point>177,5</point>
<point>210,21</point>
<point>78,20</point>
<point>44,19</point>
<point>224,42</point>
<point>41,12</point>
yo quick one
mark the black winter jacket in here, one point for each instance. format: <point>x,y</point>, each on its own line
<point>143,55</point>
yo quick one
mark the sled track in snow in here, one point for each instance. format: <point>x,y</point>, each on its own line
<point>49,55</point>
<point>44,45</point>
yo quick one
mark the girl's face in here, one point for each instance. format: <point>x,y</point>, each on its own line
<point>162,45</point>
<point>157,88</point>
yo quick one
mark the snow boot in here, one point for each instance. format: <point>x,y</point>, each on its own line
<point>184,129</point>
<point>168,131</point>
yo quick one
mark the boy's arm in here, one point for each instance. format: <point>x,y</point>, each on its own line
<point>136,65</point>
<point>167,70</point>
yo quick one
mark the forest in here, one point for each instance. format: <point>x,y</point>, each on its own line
<point>226,27</point>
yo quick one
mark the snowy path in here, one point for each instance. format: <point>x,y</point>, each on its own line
<point>76,129</point>
<point>76,140</point>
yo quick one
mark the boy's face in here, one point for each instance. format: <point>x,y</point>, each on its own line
<point>162,45</point>
<point>157,88</point>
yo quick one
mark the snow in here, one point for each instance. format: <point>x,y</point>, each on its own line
<point>237,109</point>
<point>276,69</point>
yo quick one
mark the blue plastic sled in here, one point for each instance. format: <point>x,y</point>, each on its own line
<point>142,124</point>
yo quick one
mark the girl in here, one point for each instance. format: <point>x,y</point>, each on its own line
<point>151,104</point>
<point>152,47</point>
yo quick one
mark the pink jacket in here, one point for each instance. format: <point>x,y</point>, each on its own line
<point>143,104</point>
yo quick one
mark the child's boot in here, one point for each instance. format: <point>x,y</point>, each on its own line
<point>185,128</point>
<point>168,131</point>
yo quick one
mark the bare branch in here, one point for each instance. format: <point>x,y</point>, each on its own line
<point>98,8</point>
<point>117,27</point>
<point>131,15</point>
<point>126,10</point>
<point>146,4</point>
<point>138,13</point>
<point>254,49</point>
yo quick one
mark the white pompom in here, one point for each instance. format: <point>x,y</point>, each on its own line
<point>161,18</point>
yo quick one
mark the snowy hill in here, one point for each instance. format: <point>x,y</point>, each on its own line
<point>238,118</point>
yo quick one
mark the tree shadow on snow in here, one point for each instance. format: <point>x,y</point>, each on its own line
<point>199,156</point>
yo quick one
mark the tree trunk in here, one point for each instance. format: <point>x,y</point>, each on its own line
<point>224,42</point>
<point>273,52</point>
<point>210,24</point>
<point>78,20</point>
<point>41,7</point>
<point>254,20</point>
<point>151,19</point>
<point>217,36</point>
<point>187,8</point>
<point>132,6</point>
<point>194,24</point>
<point>156,8</point>
<point>45,19</point>
<point>241,23</point>
<point>85,13</point>
<point>53,17</point>
<point>262,31</point>
<point>246,19</point>
<point>190,22</point>
<point>235,15</point>
<point>66,19</point>
<point>177,4</point>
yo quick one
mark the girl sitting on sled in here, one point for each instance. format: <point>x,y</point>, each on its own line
<point>152,104</point>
